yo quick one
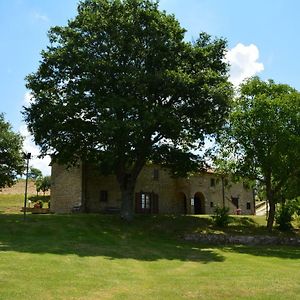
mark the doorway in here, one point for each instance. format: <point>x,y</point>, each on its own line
<point>199,204</point>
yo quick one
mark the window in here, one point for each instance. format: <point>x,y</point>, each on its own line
<point>145,200</point>
<point>211,204</point>
<point>248,205</point>
<point>103,196</point>
<point>155,174</point>
<point>146,203</point>
<point>212,182</point>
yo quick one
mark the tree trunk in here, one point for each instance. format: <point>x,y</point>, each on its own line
<point>127,195</point>
<point>223,192</point>
<point>271,216</point>
<point>84,206</point>
<point>271,199</point>
<point>127,180</point>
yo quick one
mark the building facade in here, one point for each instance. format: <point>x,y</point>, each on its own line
<point>156,191</point>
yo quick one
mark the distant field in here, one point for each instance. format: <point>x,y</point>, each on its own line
<point>19,188</point>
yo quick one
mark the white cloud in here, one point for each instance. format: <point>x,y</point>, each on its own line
<point>28,98</point>
<point>243,62</point>
<point>29,146</point>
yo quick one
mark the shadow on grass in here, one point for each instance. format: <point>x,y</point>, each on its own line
<point>246,221</point>
<point>285,252</point>
<point>146,239</point>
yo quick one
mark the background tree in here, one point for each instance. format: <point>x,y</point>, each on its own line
<point>119,86</point>
<point>11,160</point>
<point>34,173</point>
<point>262,137</point>
<point>43,184</point>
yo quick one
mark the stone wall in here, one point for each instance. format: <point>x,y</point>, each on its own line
<point>175,196</point>
<point>164,186</point>
<point>66,188</point>
<point>94,183</point>
<point>222,239</point>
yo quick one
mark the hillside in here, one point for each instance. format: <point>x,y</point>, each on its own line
<point>19,188</point>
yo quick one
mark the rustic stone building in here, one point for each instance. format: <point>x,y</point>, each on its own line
<point>156,192</point>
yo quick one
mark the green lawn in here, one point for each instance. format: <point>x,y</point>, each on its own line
<point>101,257</point>
<point>11,203</point>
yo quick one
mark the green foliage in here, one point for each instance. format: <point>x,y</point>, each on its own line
<point>11,160</point>
<point>262,138</point>
<point>43,184</point>
<point>221,216</point>
<point>291,189</point>
<point>295,204</point>
<point>41,199</point>
<point>286,212</point>
<point>284,216</point>
<point>296,221</point>
<point>34,173</point>
<point>119,86</point>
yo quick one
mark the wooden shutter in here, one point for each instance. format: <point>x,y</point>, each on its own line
<point>154,203</point>
<point>138,204</point>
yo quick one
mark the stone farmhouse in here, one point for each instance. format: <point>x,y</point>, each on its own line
<point>156,192</point>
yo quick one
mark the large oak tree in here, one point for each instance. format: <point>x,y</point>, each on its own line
<point>11,160</point>
<point>119,86</point>
<point>261,140</point>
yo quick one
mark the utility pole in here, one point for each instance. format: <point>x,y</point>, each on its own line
<point>26,156</point>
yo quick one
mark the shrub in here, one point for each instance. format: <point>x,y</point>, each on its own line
<point>284,216</point>
<point>296,221</point>
<point>39,201</point>
<point>221,216</point>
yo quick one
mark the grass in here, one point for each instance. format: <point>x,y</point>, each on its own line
<point>101,257</point>
<point>10,203</point>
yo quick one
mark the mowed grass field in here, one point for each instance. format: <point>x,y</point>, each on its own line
<point>94,256</point>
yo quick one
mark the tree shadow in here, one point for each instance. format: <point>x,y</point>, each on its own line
<point>246,221</point>
<point>280,251</point>
<point>101,235</point>
<point>148,238</point>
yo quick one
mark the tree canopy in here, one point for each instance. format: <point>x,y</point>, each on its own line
<point>43,183</point>
<point>11,160</point>
<point>261,140</point>
<point>34,173</point>
<point>119,86</point>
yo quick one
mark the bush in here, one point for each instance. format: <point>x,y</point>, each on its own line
<point>284,215</point>
<point>39,201</point>
<point>296,221</point>
<point>221,216</point>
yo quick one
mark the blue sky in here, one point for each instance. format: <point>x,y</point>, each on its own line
<point>263,38</point>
